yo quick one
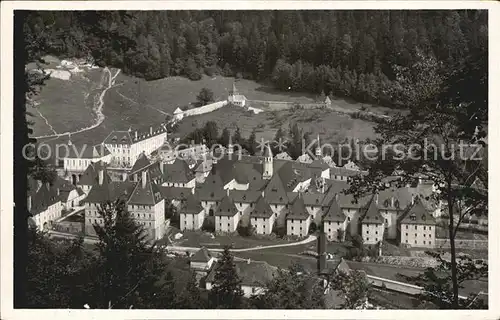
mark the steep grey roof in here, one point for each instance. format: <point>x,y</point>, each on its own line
<point>394,198</point>
<point>292,173</point>
<point>90,175</point>
<point>129,137</point>
<point>174,193</point>
<point>418,214</point>
<point>202,255</point>
<point>141,162</point>
<point>226,208</point>
<point>110,191</point>
<point>319,164</point>
<point>211,189</point>
<point>313,199</point>
<point>244,196</point>
<point>298,209</point>
<point>275,192</point>
<point>43,198</point>
<point>118,137</point>
<point>261,210</point>
<point>334,187</point>
<point>177,172</point>
<point>348,201</point>
<point>191,205</point>
<point>149,194</point>
<point>253,273</point>
<point>372,214</point>
<point>334,213</point>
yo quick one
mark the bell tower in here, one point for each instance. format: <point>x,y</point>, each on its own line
<point>268,163</point>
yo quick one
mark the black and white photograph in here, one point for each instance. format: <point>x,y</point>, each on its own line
<point>228,158</point>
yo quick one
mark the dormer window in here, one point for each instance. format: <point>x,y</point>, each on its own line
<point>396,204</point>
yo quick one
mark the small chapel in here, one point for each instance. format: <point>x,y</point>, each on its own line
<point>236,98</point>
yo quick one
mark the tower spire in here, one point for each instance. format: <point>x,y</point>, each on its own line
<point>318,148</point>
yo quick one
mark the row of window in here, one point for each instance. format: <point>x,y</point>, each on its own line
<point>138,207</point>
<point>328,224</point>
<point>80,162</point>
<point>430,235</point>
<point>425,227</point>
<point>368,239</point>
<point>424,242</point>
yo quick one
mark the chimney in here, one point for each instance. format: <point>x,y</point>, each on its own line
<point>29,203</point>
<point>144,178</point>
<point>376,198</point>
<point>412,198</point>
<point>47,185</point>
<point>124,176</point>
<point>58,192</point>
<point>38,185</point>
<point>321,262</point>
<point>151,130</point>
<point>337,197</point>
<point>101,176</point>
<point>392,202</point>
<point>136,135</point>
<point>248,261</point>
<point>162,169</point>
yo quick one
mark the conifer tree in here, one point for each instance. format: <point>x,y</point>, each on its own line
<point>190,297</point>
<point>251,144</point>
<point>129,268</point>
<point>226,292</point>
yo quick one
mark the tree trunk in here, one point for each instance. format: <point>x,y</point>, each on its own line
<point>451,236</point>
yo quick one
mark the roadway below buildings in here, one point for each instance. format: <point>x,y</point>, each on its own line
<point>309,239</point>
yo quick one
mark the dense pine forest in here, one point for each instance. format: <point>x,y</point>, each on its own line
<point>352,54</point>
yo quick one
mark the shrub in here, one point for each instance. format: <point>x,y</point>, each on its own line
<point>280,232</point>
<point>208,224</point>
<point>211,71</point>
<point>247,231</point>
<point>313,227</point>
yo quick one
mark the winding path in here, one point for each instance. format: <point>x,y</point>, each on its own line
<point>309,239</point>
<point>98,105</point>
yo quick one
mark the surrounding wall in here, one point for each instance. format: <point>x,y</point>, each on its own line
<point>463,244</point>
<point>204,109</point>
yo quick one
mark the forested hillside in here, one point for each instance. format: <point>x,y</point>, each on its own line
<point>344,53</point>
